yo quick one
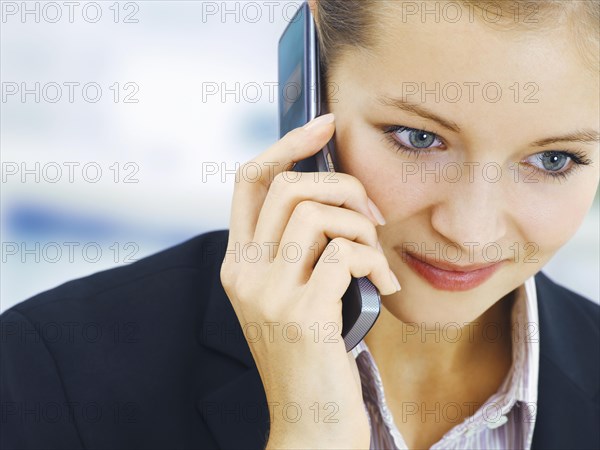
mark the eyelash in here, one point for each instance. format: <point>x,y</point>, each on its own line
<point>579,159</point>
<point>402,148</point>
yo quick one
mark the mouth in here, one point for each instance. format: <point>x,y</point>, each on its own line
<point>449,277</point>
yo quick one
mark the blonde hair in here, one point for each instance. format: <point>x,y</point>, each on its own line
<point>343,24</point>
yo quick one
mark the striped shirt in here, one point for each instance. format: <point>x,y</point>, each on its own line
<point>505,421</point>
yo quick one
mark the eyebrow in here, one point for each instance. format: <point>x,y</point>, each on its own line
<point>419,110</point>
<point>585,136</point>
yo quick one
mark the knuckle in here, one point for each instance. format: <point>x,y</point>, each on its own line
<point>279,184</point>
<point>244,175</point>
<point>341,245</point>
<point>241,170</point>
<point>305,211</point>
<point>356,185</point>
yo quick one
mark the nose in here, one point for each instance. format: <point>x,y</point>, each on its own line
<point>471,214</point>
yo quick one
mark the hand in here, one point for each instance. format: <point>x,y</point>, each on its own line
<point>281,274</point>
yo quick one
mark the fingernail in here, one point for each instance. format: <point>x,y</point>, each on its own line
<point>395,280</point>
<point>319,121</point>
<point>375,211</point>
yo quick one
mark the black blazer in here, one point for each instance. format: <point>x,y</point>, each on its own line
<point>151,356</point>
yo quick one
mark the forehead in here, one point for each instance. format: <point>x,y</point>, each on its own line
<point>527,76</point>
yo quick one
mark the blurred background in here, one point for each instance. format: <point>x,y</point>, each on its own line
<point>115,114</point>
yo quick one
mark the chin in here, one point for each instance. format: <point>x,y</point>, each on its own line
<point>424,305</point>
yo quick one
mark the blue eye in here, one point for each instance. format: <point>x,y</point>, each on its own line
<point>412,139</point>
<point>551,161</point>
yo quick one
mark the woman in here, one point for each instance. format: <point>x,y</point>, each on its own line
<point>469,155</point>
<point>374,52</point>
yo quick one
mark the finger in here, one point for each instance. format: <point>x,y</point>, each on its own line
<point>287,191</point>
<point>311,227</point>
<point>342,260</point>
<point>250,191</point>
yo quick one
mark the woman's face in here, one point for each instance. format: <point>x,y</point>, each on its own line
<point>477,187</point>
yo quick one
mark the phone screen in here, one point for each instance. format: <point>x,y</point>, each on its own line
<point>299,83</point>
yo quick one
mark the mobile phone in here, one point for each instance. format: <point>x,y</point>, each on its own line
<point>301,99</point>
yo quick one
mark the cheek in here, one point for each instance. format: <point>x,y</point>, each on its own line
<point>550,213</point>
<point>380,171</point>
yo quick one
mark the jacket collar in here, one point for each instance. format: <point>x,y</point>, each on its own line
<point>236,412</point>
<point>565,338</point>
<point>220,330</point>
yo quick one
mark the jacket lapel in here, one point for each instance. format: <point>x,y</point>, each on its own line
<point>567,414</point>
<point>236,414</point>
<point>565,337</point>
<point>236,411</point>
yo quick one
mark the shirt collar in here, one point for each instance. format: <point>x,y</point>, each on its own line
<point>526,342</point>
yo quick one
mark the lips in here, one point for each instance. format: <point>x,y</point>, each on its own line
<point>449,277</point>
